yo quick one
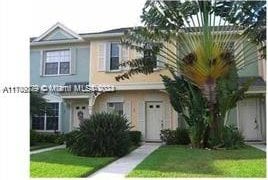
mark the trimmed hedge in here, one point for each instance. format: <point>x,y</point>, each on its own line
<point>36,137</point>
<point>103,135</point>
<point>135,137</point>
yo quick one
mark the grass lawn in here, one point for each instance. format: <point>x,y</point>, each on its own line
<point>42,146</point>
<point>61,163</point>
<point>181,161</point>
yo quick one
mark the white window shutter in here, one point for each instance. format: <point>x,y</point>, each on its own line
<point>160,61</point>
<point>162,56</point>
<point>141,118</point>
<point>73,60</point>
<point>101,56</point>
<point>138,55</point>
<point>127,110</point>
<point>238,47</point>
<point>107,56</point>
<point>42,64</point>
<point>125,55</point>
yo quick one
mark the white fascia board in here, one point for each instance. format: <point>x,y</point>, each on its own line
<point>75,96</point>
<point>103,35</point>
<point>139,86</point>
<point>56,42</point>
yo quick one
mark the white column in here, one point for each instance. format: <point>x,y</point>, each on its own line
<point>91,102</point>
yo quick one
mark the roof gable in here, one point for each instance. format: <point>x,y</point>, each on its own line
<point>56,33</point>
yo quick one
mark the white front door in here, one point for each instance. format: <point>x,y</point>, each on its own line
<point>80,112</point>
<point>249,119</point>
<point>154,120</point>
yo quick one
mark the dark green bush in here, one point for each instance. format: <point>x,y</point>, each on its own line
<point>72,140</point>
<point>33,137</point>
<point>168,136</point>
<point>135,137</point>
<point>40,137</point>
<point>104,134</point>
<point>232,138</point>
<point>182,136</point>
<point>178,136</point>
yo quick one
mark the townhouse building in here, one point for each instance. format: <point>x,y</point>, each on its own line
<point>61,56</point>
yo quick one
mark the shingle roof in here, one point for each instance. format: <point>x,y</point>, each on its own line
<point>259,81</point>
<point>123,29</point>
<point>118,30</point>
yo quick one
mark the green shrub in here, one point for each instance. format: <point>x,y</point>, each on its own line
<point>182,136</point>
<point>104,134</point>
<point>72,140</point>
<point>40,137</point>
<point>168,136</point>
<point>232,138</point>
<point>178,136</point>
<point>33,137</point>
<point>135,137</point>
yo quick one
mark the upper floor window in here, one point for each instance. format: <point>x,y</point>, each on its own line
<point>149,55</point>
<point>57,62</point>
<point>114,56</point>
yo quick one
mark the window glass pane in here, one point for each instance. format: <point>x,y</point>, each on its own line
<point>148,55</point>
<point>53,109</point>
<point>52,119</point>
<point>51,68</point>
<point>115,106</point>
<point>38,122</point>
<point>114,59</point>
<point>57,56</point>
<point>52,123</point>
<point>119,108</point>
<point>115,50</point>
<point>114,64</point>
<point>64,68</point>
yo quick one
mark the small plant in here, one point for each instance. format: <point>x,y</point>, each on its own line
<point>135,137</point>
<point>72,140</point>
<point>168,136</point>
<point>104,134</point>
<point>182,136</point>
<point>232,138</point>
<point>178,136</point>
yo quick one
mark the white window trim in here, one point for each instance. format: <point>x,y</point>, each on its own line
<point>45,120</point>
<point>44,62</point>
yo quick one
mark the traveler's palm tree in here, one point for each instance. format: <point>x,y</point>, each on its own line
<point>202,38</point>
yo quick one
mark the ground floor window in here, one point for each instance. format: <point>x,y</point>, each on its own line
<point>115,107</point>
<point>47,121</point>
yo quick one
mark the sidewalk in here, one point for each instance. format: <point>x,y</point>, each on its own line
<point>48,149</point>
<point>260,146</point>
<point>121,167</point>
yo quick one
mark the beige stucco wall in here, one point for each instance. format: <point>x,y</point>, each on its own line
<point>136,99</point>
<point>98,77</point>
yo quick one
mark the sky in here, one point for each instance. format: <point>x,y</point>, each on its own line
<point>83,16</point>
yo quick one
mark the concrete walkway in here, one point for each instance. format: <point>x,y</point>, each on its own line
<point>121,167</point>
<point>260,146</point>
<point>48,149</point>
